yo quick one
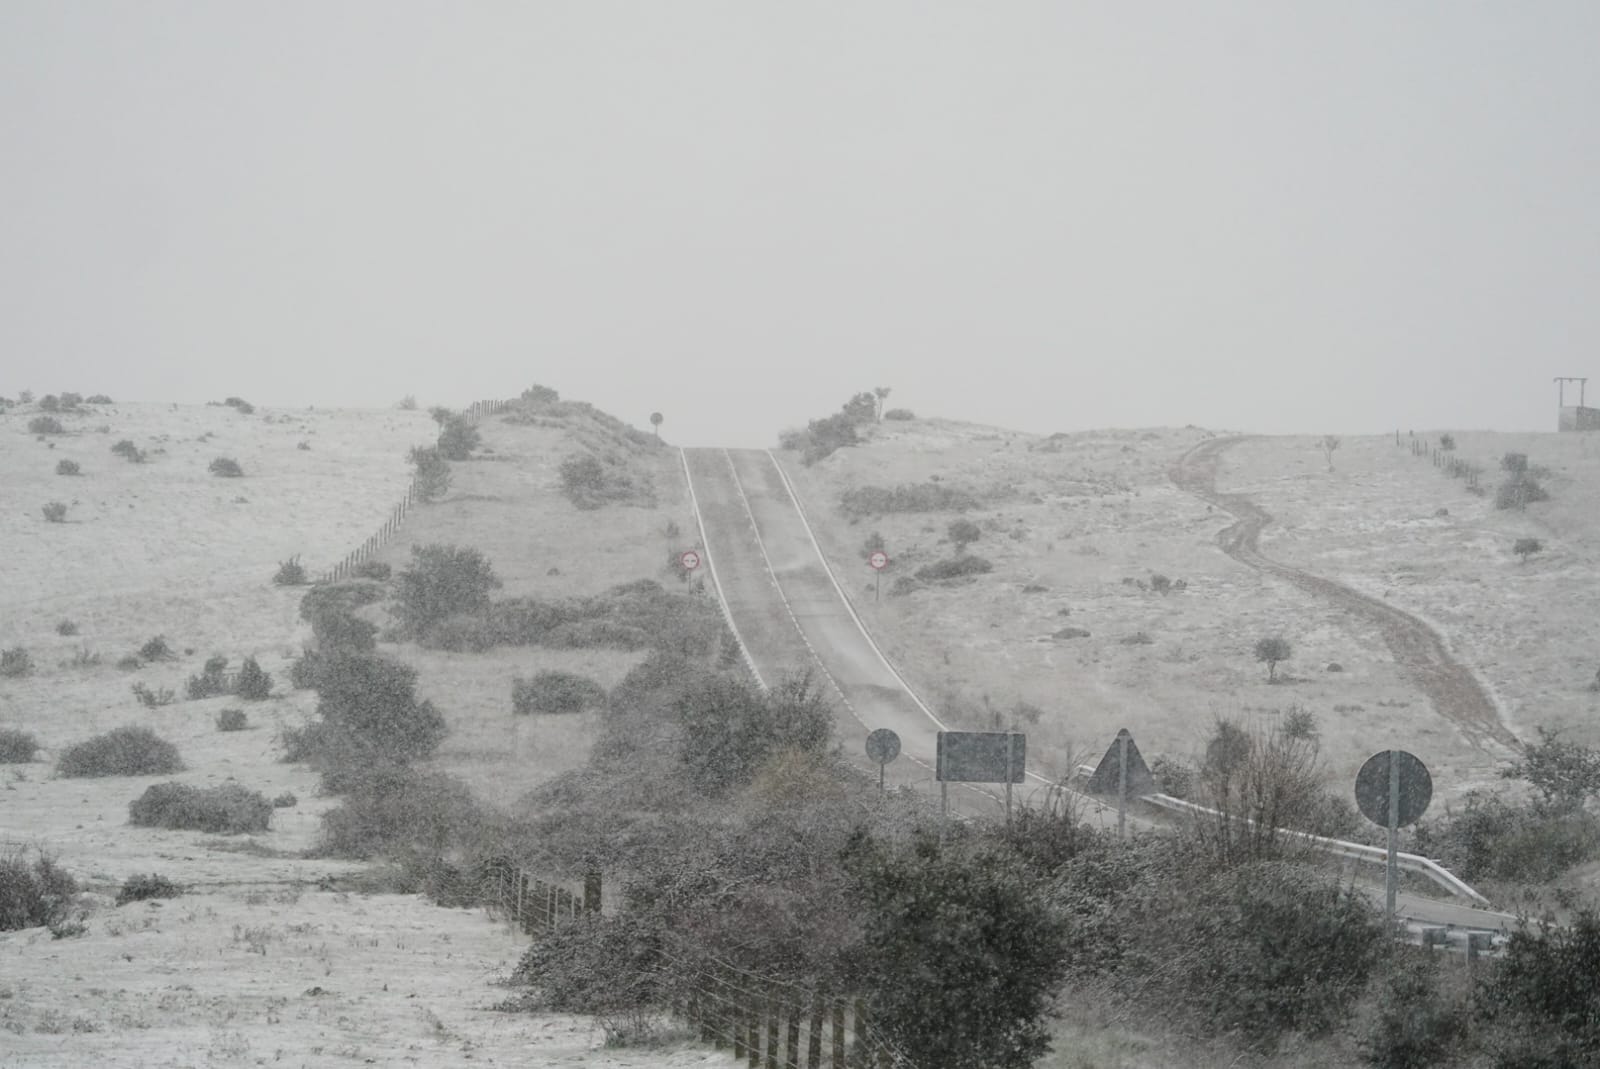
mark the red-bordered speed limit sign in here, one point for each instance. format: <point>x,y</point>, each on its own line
<point>689,559</point>
<point>879,560</point>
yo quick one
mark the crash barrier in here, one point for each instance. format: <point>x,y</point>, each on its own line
<point>391,526</point>
<point>1338,847</point>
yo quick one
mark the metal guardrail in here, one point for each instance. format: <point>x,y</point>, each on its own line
<point>1338,847</point>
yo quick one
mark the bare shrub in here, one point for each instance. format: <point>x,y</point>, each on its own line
<point>45,425</point>
<point>142,886</point>
<point>156,649</point>
<point>954,568</point>
<point>907,497</point>
<point>556,692</point>
<point>33,895</point>
<point>232,720</point>
<point>228,809</point>
<point>68,467</point>
<point>1262,784</point>
<point>17,747</point>
<point>152,699</point>
<point>124,751</point>
<point>55,512</point>
<point>66,628</point>
<point>15,662</point>
<point>290,573</point>
<point>133,453</point>
<point>225,468</point>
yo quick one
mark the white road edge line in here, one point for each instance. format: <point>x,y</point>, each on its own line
<point>711,565</point>
<point>862,627</point>
<point>772,575</point>
<point>848,607</point>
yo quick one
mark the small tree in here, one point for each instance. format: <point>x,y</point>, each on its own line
<point>655,421</point>
<point>458,439</point>
<point>1527,547</point>
<point>1272,649</point>
<point>432,472</point>
<point>873,544</point>
<point>1564,773</point>
<point>880,394</point>
<point>252,684</point>
<point>1330,444</point>
<point>974,927</point>
<point>443,581</point>
<point>1447,442</point>
<point>963,533</point>
<point>370,703</point>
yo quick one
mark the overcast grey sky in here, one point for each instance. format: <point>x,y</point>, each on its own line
<point>1271,216</point>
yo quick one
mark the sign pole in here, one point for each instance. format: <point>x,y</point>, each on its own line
<point>1392,873</point>
<point>877,585</point>
<point>944,809</point>
<point>1122,786</point>
<point>1011,739</point>
<point>882,766</point>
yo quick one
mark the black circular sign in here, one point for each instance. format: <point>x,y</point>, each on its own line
<point>883,746</point>
<point>1372,787</point>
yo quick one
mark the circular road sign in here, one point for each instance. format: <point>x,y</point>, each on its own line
<point>879,559</point>
<point>689,559</point>
<point>883,746</point>
<point>1372,787</point>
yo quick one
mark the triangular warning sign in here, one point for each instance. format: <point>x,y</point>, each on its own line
<point>1109,771</point>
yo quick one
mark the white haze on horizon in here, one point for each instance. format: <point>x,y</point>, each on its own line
<point>1267,217</point>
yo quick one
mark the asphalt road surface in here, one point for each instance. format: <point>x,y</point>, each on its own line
<point>792,617</point>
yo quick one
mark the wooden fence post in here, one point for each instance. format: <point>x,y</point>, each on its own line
<point>753,1005</point>
<point>774,1011</point>
<point>791,1043</point>
<point>814,1033</point>
<point>735,1006</point>
<point>838,1034</point>
<point>591,891</point>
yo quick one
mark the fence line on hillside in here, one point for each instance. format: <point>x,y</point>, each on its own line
<point>1446,461</point>
<point>391,526</point>
<point>765,1019</point>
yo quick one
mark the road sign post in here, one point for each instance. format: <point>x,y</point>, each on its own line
<point>883,746</point>
<point>1393,789</point>
<point>1123,772</point>
<point>979,757</point>
<point>879,561</point>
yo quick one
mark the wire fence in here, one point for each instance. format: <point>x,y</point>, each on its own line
<point>391,526</point>
<point>767,1020</point>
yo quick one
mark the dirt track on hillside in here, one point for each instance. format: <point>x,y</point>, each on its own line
<point>1455,693</point>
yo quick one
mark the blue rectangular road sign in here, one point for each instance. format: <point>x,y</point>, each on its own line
<point>981,756</point>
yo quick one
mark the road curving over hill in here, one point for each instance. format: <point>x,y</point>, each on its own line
<point>791,616</point>
<point>1455,693</point>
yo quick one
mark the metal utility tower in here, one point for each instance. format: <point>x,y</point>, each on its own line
<point>1561,389</point>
